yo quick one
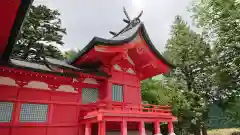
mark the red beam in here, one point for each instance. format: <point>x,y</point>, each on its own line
<point>134,119</point>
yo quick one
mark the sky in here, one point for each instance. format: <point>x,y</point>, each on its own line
<point>85,19</point>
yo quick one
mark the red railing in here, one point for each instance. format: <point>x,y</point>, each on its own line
<point>126,107</point>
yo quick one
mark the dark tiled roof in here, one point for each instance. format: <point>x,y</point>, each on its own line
<point>48,67</point>
<point>22,63</point>
<point>61,63</point>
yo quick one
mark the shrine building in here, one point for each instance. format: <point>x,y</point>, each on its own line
<point>96,93</point>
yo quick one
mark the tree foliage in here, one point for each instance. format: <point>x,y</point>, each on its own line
<point>208,65</point>
<point>192,56</point>
<point>167,92</point>
<point>221,20</point>
<point>40,35</point>
<point>71,54</point>
<point>190,87</point>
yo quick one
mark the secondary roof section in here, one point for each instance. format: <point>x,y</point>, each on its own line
<point>131,49</point>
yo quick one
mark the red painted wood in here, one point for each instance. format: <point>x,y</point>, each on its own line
<point>134,119</point>
<point>170,127</point>
<point>108,91</point>
<point>8,10</point>
<point>29,131</point>
<point>101,128</point>
<point>8,92</point>
<point>88,129</point>
<point>5,131</point>
<point>65,97</point>
<point>66,113</point>
<point>81,129</point>
<point>128,90</point>
<point>124,127</point>
<point>16,112</point>
<point>142,128</point>
<point>33,94</point>
<point>157,129</point>
<point>62,131</point>
<point>50,113</point>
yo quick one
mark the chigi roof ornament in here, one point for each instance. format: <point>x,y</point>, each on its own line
<point>135,20</point>
<point>131,22</point>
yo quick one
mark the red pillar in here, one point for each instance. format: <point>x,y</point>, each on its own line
<point>157,130</point>
<point>124,127</point>
<point>142,128</point>
<point>107,91</point>
<point>16,113</point>
<point>101,128</point>
<point>88,129</point>
<point>81,129</point>
<point>170,128</point>
<point>50,113</point>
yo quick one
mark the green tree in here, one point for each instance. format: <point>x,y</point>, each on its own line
<point>168,92</point>
<point>40,34</point>
<point>220,19</point>
<point>233,112</point>
<point>71,54</point>
<point>192,56</point>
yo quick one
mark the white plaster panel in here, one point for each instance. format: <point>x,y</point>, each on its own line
<point>117,67</point>
<point>130,71</point>
<point>66,88</point>
<point>7,81</point>
<point>37,85</point>
<point>90,81</point>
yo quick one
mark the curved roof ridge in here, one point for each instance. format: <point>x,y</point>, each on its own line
<point>153,48</point>
<point>123,38</point>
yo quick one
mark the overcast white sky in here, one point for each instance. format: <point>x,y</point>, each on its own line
<point>85,19</point>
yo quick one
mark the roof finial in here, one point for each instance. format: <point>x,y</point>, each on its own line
<point>140,14</point>
<point>128,18</point>
<point>130,22</point>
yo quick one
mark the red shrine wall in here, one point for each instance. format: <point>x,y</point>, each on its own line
<point>131,86</point>
<point>62,115</point>
<point>61,97</point>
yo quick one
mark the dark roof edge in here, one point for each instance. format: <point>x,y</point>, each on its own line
<point>20,16</point>
<point>101,41</point>
<point>97,40</point>
<point>9,64</point>
<point>153,48</point>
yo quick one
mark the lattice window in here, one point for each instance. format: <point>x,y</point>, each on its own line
<point>33,113</point>
<point>89,95</point>
<point>117,93</point>
<point>6,109</point>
